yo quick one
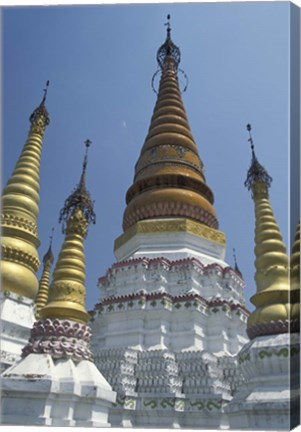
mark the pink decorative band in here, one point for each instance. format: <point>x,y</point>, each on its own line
<point>169,209</point>
<point>274,327</point>
<point>60,339</point>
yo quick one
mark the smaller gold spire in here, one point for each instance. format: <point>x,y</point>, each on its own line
<point>42,296</point>
<point>271,300</point>
<point>67,290</point>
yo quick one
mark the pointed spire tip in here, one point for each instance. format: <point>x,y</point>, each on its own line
<point>41,112</point>
<point>80,197</point>
<point>49,255</point>
<point>45,91</point>
<point>51,237</point>
<point>256,171</point>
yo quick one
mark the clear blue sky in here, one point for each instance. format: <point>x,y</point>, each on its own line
<point>100,61</point>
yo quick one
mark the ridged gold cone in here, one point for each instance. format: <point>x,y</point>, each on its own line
<point>43,292</point>
<point>67,291</point>
<point>272,299</point>
<point>20,207</point>
<point>169,179</point>
<point>295,275</point>
<point>272,282</point>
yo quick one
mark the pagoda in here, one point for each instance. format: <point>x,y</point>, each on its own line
<point>172,315</point>
<point>56,382</point>
<point>19,241</point>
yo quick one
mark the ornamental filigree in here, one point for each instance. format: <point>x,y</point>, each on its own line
<point>257,173</point>
<point>169,58</point>
<point>39,119</point>
<point>77,224</point>
<point>274,327</point>
<point>67,291</point>
<point>9,220</point>
<point>20,257</point>
<point>60,339</point>
<point>39,126</point>
<point>259,190</point>
<point>79,199</point>
<point>168,49</point>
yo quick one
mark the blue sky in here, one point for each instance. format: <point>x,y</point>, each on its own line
<point>100,61</point>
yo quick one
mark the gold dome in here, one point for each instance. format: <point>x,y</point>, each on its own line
<point>169,179</point>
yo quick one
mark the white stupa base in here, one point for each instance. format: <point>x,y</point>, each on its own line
<point>269,397</point>
<point>17,319</point>
<point>171,245</point>
<point>167,330</point>
<point>41,391</point>
<point>164,389</point>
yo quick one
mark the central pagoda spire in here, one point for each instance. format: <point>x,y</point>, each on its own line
<point>169,179</point>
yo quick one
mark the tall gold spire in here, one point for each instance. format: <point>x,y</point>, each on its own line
<point>169,179</point>
<point>67,290</point>
<point>42,296</point>
<point>20,207</point>
<point>273,309</point>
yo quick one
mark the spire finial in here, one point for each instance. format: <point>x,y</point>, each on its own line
<point>234,256</point>
<point>236,268</point>
<point>249,127</point>
<point>51,236</point>
<point>168,26</point>
<point>80,197</point>
<point>256,171</point>
<point>168,50</point>
<point>45,91</point>
<point>48,257</point>
<point>41,112</point>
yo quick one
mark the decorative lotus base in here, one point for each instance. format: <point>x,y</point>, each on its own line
<point>60,339</point>
<point>56,383</point>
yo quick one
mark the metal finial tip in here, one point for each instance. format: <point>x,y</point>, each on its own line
<point>234,254</point>
<point>168,24</point>
<point>256,171</point>
<point>87,144</point>
<point>48,257</point>
<point>45,90</point>
<point>250,139</point>
<point>235,263</point>
<point>51,237</point>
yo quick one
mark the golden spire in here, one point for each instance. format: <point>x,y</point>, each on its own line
<point>67,290</point>
<point>271,300</point>
<point>169,179</point>
<point>20,207</point>
<point>42,296</point>
<point>295,275</point>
